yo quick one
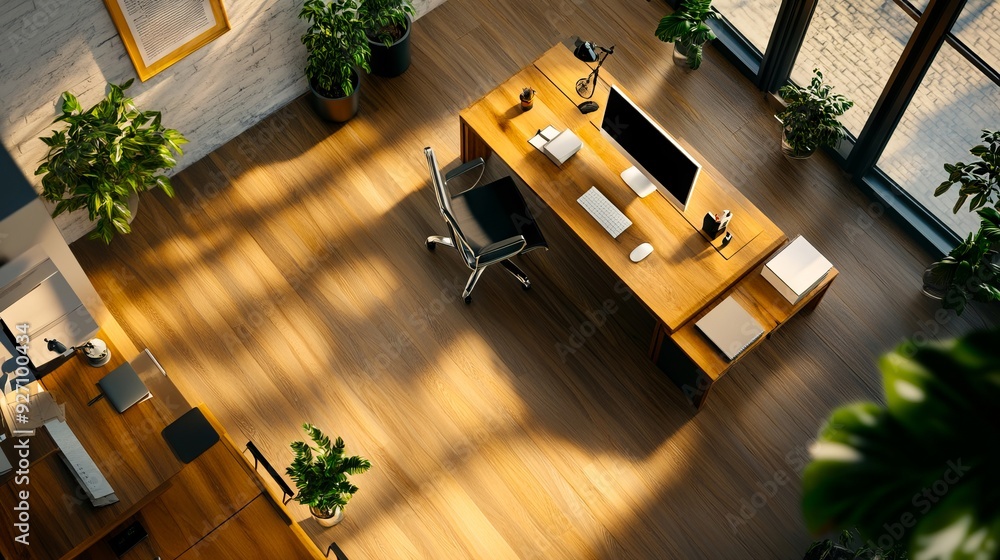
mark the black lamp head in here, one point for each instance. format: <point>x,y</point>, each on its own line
<point>586,51</point>
<point>56,346</point>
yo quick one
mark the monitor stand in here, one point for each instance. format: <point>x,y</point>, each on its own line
<point>638,182</point>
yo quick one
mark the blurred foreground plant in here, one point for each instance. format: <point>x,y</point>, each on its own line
<point>922,469</point>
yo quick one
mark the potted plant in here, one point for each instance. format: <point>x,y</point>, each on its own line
<point>687,30</point>
<point>105,157</point>
<point>979,179</point>
<point>919,470</point>
<point>971,271</point>
<point>527,98</point>
<point>850,546</point>
<point>320,475</point>
<point>337,44</point>
<point>387,26</point>
<point>809,120</point>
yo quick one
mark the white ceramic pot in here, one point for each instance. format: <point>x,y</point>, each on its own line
<point>327,518</point>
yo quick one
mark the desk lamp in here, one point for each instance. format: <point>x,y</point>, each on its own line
<point>95,349</point>
<point>590,52</point>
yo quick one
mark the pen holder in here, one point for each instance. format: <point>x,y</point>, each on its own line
<point>710,226</point>
<point>714,224</point>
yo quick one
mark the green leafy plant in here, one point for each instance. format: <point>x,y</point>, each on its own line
<point>850,546</point>
<point>320,472</point>
<point>810,120</point>
<point>686,28</point>
<point>106,154</point>
<point>385,20</point>
<point>336,43</point>
<point>921,469</point>
<point>971,271</point>
<point>979,179</point>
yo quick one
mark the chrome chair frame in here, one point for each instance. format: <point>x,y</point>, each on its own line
<point>478,261</point>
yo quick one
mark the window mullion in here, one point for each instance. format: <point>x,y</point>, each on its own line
<point>930,33</point>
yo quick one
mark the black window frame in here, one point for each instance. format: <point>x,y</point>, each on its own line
<point>859,156</point>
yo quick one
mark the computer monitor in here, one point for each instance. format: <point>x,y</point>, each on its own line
<point>659,163</point>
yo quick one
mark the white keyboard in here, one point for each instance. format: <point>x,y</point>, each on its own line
<point>606,213</point>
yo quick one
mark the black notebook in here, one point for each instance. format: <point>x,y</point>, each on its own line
<point>123,388</point>
<point>190,435</point>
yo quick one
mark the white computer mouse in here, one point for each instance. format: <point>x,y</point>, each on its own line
<point>641,252</point>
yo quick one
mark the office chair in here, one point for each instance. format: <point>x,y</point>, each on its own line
<point>489,224</point>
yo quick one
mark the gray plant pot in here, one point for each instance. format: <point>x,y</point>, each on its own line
<point>935,285</point>
<point>789,152</point>
<point>338,109</point>
<point>391,61</point>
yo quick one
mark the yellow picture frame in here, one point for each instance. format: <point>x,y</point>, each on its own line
<point>146,69</point>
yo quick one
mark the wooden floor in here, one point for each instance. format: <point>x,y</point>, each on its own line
<point>287,282</point>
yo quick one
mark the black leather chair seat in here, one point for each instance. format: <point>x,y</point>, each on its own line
<point>495,212</point>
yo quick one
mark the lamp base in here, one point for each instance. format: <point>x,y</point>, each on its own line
<point>97,352</point>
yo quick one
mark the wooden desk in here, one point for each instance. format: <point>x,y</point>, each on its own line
<point>127,448</point>
<point>188,510</point>
<point>687,273</point>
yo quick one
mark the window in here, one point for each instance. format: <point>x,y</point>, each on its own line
<point>856,44</point>
<point>754,18</point>
<point>954,102</point>
<point>977,29</point>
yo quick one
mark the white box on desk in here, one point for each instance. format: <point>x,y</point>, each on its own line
<point>562,147</point>
<point>796,269</point>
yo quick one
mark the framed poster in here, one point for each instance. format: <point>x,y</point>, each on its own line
<point>158,33</point>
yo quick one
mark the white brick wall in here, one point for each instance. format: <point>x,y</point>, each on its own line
<point>214,94</point>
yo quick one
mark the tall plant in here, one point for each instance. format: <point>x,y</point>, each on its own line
<point>980,179</point>
<point>971,271</point>
<point>385,20</point>
<point>686,28</point>
<point>810,120</point>
<point>103,156</point>
<point>920,470</point>
<point>320,472</point>
<point>336,43</point>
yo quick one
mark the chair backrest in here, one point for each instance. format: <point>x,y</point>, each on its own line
<point>444,205</point>
<point>440,188</point>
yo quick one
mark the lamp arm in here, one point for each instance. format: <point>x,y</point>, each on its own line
<point>606,52</point>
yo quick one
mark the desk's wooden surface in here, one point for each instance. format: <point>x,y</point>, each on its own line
<point>686,272</point>
<point>189,511</point>
<point>127,448</point>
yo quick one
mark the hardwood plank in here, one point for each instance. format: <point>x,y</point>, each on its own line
<point>287,282</point>
<point>239,537</point>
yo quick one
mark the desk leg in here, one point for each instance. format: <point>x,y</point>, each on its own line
<point>473,146</point>
<point>657,342</point>
<point>811,306</point>
<point>672,361</point>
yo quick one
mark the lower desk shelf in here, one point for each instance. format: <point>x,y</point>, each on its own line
<point>693,362</point>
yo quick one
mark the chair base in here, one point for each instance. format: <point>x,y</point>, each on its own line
<point>434,240</point>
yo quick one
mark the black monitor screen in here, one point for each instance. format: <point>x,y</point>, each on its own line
<point>653,150</point>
